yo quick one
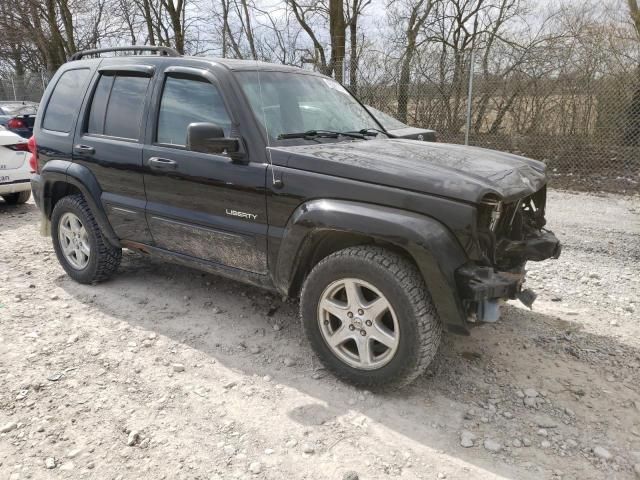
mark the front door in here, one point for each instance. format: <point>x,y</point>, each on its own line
<point>200,205</point>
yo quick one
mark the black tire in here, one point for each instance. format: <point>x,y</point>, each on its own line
<point>400,281</point>
<point>104,258</point>
<point>18,197</point>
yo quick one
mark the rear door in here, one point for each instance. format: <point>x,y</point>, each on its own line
<point>109,142</point>
<point>201,205</point>
<point>58,115</point>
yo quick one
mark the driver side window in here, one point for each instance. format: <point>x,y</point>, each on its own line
<point>188,100</point>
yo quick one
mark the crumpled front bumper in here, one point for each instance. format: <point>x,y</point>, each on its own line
<point>536,248</point>
<point>476,283</point>
<point>481,287</point>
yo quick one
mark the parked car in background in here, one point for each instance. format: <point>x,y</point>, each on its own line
<point>397,129</point>
<point>15,172</point>
<point>18,117</point>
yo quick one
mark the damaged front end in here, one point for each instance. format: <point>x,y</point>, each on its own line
<point>508,235</point>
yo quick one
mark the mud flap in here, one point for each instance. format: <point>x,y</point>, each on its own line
<point>45,226</point>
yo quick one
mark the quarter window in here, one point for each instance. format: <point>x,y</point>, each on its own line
<point>99,104</point>
<point>118,102</point>
<point>65,100</point>
<point>185,101</point>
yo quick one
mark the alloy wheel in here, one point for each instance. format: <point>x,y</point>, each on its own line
<point>74,241</point>
<point>358,324</point>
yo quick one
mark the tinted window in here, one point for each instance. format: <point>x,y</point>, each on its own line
<point>65,100</point>
<point>185,101</point>
<point>99,104</point>
<point>124,110</point>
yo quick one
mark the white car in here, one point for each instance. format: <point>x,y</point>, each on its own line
<point>15,172</point>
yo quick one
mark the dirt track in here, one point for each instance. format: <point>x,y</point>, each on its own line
<point>211,379</point>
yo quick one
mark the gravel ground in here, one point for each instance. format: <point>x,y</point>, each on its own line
<point>168,373</point>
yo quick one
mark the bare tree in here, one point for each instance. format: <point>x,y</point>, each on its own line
<point>245,20</point>
<point>634,11</point>
<point>412,15</point>
<point>354,10</point>
<point>313,18</point>
<point>306,14</point>
<point>175,9</point>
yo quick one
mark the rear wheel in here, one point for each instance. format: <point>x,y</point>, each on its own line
<point>370,318</point>
<point>18,197</point>
<point>81,248</point>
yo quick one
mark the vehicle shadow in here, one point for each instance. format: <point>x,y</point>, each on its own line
<point>22,209</point>
<point>478,385</point>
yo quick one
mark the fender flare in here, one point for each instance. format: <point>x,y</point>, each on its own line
<point>435,250</point>
<point>83,179</point>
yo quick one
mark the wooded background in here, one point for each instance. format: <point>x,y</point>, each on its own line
<point>557,80</point>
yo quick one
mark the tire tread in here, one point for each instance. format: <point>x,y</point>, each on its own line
<point>108,257</point>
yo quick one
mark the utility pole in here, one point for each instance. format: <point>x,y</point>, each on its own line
<point>470,95</point>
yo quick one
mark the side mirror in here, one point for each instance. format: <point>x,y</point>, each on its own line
<point>209,138</point>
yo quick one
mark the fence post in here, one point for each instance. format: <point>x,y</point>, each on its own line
<point>13,86</point>
<point>469,96</point>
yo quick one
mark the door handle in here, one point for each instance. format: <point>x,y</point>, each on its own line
<point>86,149</point>
<point>158,163</point>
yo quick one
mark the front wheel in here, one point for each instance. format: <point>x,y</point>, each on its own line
<point>82,250</point>
<point>370,318</point>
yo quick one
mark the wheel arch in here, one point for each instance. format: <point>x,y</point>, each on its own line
<point>60,178</point>
<point>323,242</point>
<point>321,227</point>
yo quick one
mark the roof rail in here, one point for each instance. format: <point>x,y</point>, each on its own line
<point>167,51</point>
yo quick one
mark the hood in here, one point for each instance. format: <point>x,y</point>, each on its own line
<point>414,133</point>
<point>454,171</point>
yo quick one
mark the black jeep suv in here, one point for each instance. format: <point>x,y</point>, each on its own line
<point>279,177</point>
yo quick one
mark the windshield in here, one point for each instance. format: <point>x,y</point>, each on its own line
<point>290,103</point>
<point>388,121</point>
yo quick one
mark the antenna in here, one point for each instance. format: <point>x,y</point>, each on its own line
<point>277,183</point>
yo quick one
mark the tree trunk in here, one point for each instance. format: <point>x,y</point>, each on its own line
<point>353,56</point>
<point>176,16</point>
<point>405,77</point>
<point>148,20</point>
<point>249,30</point>
<point>337,28</point>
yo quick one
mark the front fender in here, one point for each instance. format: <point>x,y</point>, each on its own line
<point>80,177</point>
<point>433,247</point>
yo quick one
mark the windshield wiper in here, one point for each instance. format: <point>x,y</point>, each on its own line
<point>370,132</point>
<point>321,134</point>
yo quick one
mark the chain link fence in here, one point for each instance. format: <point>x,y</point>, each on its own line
<point>586,128</point>
<point>28,87</point>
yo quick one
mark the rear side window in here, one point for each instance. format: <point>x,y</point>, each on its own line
<point>116,108</point>
<point>65,100</point>
<point>185,101</point>
<point>99,104</point>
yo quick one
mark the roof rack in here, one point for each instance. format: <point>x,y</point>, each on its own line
<point>166,51</point>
